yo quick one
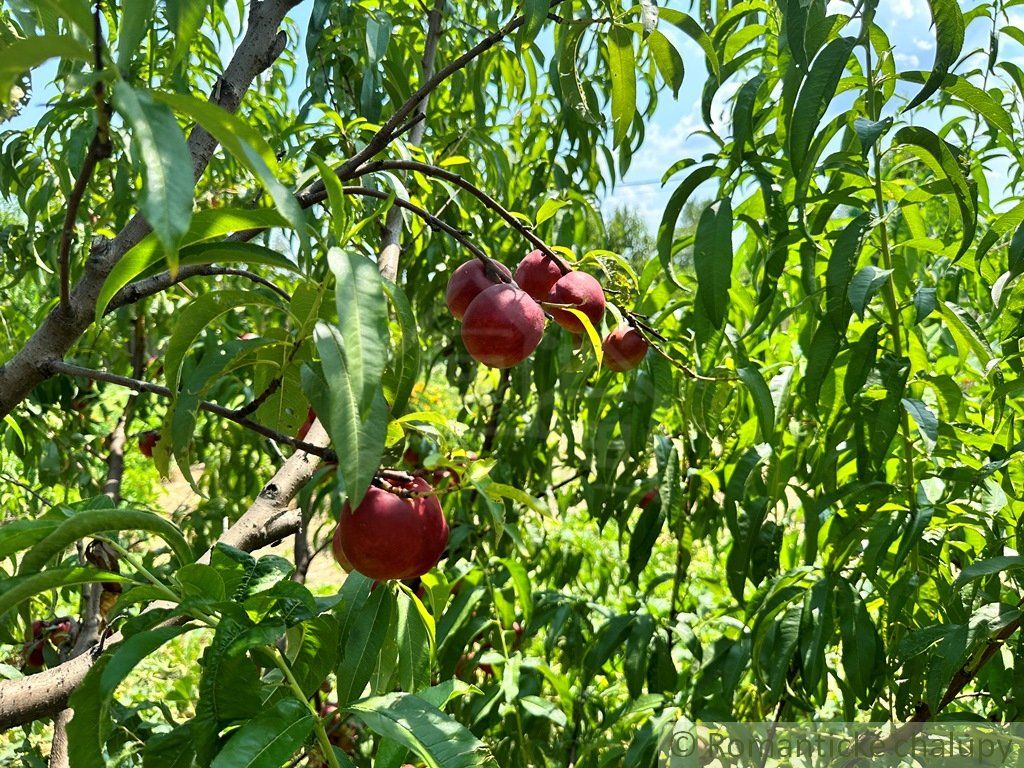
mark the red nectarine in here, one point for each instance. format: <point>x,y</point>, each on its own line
<point>580,291</point>
<point>391,537</point>
<point>306,425</point>
<point>148,441</point>
<point>502,326</point>
<point>469,281</point>
<point>624,349</point>
<point>536,273</point>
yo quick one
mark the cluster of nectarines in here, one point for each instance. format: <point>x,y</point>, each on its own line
<point>503,316</point>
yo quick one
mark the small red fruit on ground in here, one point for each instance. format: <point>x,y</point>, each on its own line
<point>582,292</point>
<point>502,326</point>
<point>624,349</point>
<point>469,281</point>
<point>392,537</point>
<point>536,274</point>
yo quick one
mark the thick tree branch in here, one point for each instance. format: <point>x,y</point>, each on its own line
<point>260,46</point>
<point>267,520</point>
<point>59,366</point>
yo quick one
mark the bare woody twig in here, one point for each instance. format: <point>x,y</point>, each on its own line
<point>159,283</point>
<point>99,149</point>
<point>391,247</point>
<point>458,180</point>
<point>59,366</point>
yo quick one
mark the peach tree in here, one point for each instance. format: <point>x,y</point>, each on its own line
<point>342,269</point>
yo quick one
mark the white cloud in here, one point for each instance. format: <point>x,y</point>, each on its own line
<point>908,60</point>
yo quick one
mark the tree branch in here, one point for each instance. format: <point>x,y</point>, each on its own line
<point>440,173</point>
<point>159,283</point>
<point>99,149</point>
<point>391,246</point>
<point>268,519</point>
<point>387,132</point>
<point>63,326</point>
<point>433,222</point>
<point>59,366</point>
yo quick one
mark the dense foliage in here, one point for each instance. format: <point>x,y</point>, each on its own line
<point>806,503</point>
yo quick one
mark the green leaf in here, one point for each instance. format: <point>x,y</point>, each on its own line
<point>363,644</point>
<point>643,537</point>
<point>667,60</point>
<point>18,588</point>
<point>93,521</point>
<point>622,71</point>
<point>269,739</point>
<point>821,354</point>
<point>862,360</point>
<point>436,739</point>
<point>91,700</point>
<point>982,568</point>
<point>950,32</point>
<point>206,225</point>
<point>360,443</point>
<point>869,132</point>
<point>167,181</point>
<point>942,157</point>
<point>317,656</point>
<point>764,407</point>
<point>229,689</point>
<point>924,418</point>
<point>966,334</point>
<point>841,263</point>
<point>675,205</point>
<point>20,56</point>
<point>863,653</point>
<point>247,146</point>
<point>864,285</point>
<point>413,638</point>
<point>549,208</point>
<point>973,97</point>
<point>363,322</point>
<point>687,24</point>
<point>1005,223</point>
<point>535,13</point>
<point>712,261</point>
<point>405,366</point>
<point>194,318</point>
<point>136,16</point>
<point>815,97</point>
